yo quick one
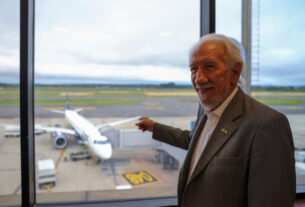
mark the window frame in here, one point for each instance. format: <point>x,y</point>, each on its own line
<point>28,187</point>
<point>27,145</point>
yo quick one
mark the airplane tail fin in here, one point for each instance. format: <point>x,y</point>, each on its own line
<point>67,102</point>
<point>68,107</point>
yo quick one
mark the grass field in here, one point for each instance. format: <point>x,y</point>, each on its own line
<point>101,92</point>
<point>89,95</point>
<point>280,101</point>
<point>74,102</point>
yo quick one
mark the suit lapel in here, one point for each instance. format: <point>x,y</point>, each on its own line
<point>221,134</point>
<point>186,165</point>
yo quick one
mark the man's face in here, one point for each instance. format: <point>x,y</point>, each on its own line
<point>212,79</point>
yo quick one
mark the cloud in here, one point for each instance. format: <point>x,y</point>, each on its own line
<point>59,79</point>
<point>8,61</point>
<point>97,40</point>
<point>165,34</point>
<point>284,75</point>
<point>9,74</point>
<point>137,60</point>
<point>3,52</point>
<point>153,73</point>
<point>60,29</point>
<point>120,15</point>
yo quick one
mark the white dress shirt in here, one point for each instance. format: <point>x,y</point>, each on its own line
<point>211,122</point>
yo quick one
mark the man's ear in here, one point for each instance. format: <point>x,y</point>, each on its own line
<point>236,73</point>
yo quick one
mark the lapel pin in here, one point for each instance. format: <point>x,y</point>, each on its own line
<point>224,131</point>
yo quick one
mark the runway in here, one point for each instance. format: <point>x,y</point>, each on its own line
<point>155,106</point>
<point>152,106</point>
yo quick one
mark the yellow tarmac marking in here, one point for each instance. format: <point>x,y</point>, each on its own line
<point>87,107</point>
<point>47,187</point>
<point>77,94</point>
<point>154,108</point>
<point>170,94</point>
<point>139,177</point>
<point>59,158</point>
<point>54,108</point>
<point>62,108</point>
<point>294,107</point>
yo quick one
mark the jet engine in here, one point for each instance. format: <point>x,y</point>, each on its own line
<point>60,141</point>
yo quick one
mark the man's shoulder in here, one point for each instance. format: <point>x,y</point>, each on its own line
<point>256,108</point>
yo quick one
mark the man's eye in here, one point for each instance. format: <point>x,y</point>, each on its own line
<point>210,67</point>
<point>194,69</point>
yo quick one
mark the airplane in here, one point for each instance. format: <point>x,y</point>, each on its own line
<point>83,130</point>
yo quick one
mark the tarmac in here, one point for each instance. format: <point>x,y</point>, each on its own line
<point>85,180</point>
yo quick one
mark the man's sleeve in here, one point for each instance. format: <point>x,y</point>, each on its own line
<point>175,136</point>
<point>272,179</point>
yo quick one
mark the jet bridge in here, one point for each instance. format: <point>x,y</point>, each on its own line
<point>166,154</point>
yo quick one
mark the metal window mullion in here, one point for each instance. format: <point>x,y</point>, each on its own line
<point>207,17</point>
<point>246,42</point>
<point>27,103</point>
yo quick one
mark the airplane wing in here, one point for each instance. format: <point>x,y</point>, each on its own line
<point>14,130</point>
<point>63,112</point>
<point>56,130</point>
<point>111,124</point>
<point>58,111</point>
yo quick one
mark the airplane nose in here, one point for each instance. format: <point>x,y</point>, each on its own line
<point>105,152</point>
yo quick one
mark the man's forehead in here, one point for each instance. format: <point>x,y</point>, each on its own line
<point>210,46</point>
<point>203,59</point>
<point>209,49</point>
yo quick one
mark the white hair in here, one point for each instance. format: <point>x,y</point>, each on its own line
<point>233,50</point>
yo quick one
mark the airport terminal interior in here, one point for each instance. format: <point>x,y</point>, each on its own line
<point>76,76</point>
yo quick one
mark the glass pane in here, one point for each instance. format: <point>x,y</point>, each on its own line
<point>115,60</point>
<point>228,18</point>
<point>10,177</point>
<point>279,76</point>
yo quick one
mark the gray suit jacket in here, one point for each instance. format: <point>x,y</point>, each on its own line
<point>248,161</point>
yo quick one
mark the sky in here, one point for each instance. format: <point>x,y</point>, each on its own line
<point>136,41</point>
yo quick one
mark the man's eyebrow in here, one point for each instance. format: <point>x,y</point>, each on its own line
<point>205,61</point>
<point>210,62</point>
<point>192,65</point>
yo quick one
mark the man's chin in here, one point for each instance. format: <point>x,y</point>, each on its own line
<point>210,105</point>
<point>207,106</point>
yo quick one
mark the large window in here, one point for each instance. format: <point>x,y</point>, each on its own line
<point>115,60</point>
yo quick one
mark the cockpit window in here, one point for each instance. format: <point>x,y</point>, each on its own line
<point>101,142</point>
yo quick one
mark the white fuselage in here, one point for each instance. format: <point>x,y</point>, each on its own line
<point>90,134</point>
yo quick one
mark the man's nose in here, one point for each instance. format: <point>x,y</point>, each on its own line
<point>201,76</point>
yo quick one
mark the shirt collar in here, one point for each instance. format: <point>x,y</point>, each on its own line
<point>220,109</point>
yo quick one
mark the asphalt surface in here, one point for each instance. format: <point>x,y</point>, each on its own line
<point>151,106</point>
<point>158,107</point>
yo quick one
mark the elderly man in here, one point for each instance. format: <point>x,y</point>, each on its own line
<point>240,152</point>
